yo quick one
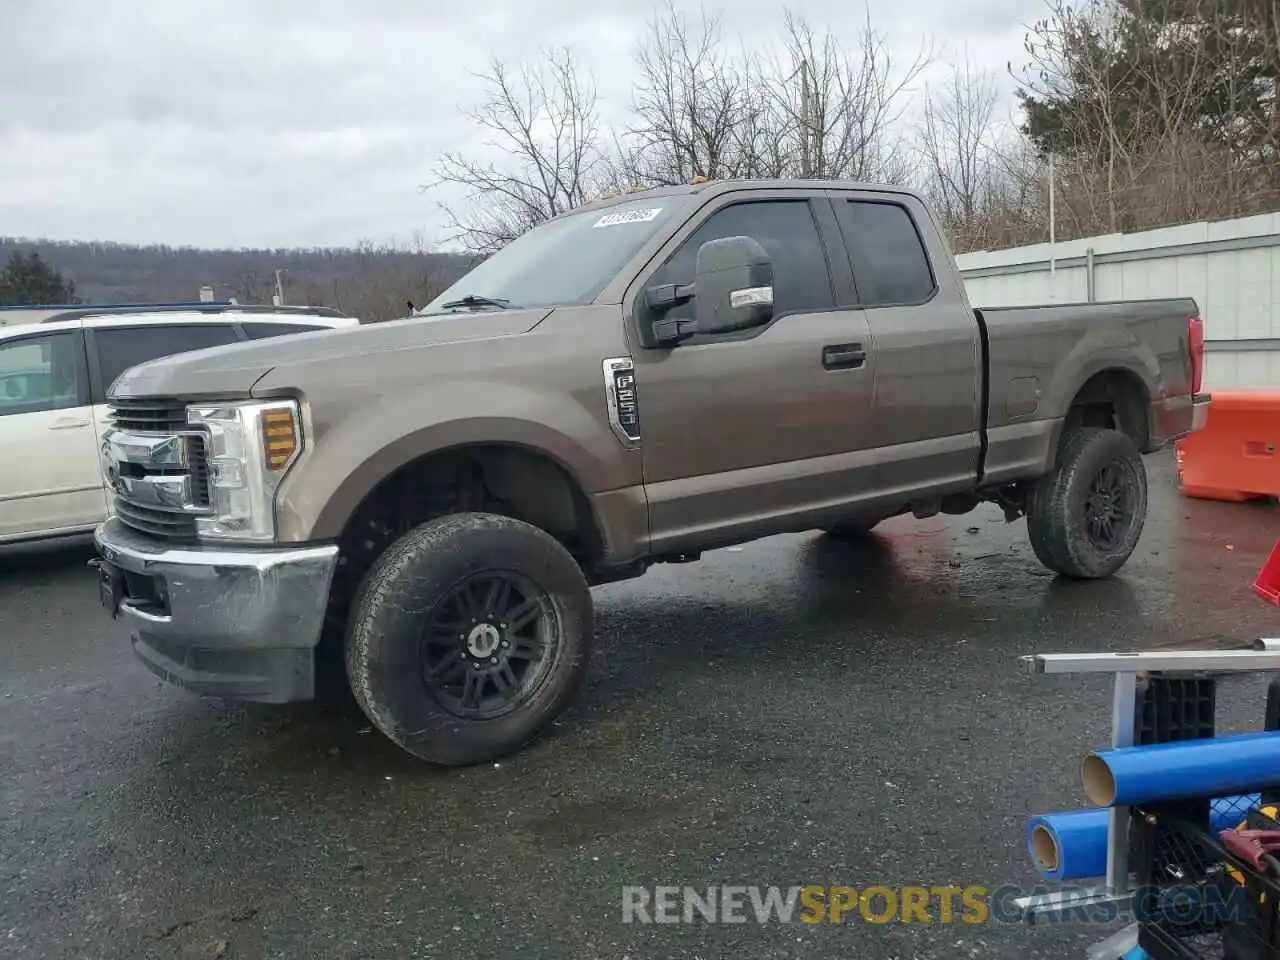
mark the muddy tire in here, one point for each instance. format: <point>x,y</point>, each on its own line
<point>1086,517</point>
<point>468,637</point>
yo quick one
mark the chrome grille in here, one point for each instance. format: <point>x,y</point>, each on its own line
<point>149,416</point>
<point>159,468</point>
<point>158,523</point>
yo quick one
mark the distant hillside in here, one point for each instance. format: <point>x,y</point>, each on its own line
<point>371,283</point>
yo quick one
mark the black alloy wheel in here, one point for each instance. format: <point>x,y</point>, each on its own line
<point>488,644</point>
<point>1109,505</point>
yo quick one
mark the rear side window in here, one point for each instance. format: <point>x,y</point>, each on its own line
<point>120,348</point>
<point>256,331</point>
<point>892,265</point>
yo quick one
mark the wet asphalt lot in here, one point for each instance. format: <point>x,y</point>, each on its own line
<point>792,712</point>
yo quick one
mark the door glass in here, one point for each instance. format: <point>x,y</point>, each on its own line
<point>786,229</point>
<point>891,254</point>
<point>120,348</point>
<point>40,373</point>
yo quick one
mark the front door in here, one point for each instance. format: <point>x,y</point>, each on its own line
<point>750,433</point>
<point>50,479</point>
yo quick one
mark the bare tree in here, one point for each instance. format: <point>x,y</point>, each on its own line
<point>692,107</point>
<point>545,152</point>
<point>1074,68</point>
<point>1145,105</point>
<point>385,279</point>
<point>959,147</point>
<point>840,103</point>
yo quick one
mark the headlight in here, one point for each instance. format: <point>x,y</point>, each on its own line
<point>250,448</point>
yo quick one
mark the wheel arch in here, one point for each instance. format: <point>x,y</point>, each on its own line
<point>1114,397</point>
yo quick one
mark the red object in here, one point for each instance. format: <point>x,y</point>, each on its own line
<point>1252,846</point>
<point>1267,586</point>
<point>1195,340</point>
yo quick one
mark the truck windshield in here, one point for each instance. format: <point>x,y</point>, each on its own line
<point>562,262</point>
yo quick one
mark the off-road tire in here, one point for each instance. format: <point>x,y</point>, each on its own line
<point>405,589</point>
<point>1057,513</point>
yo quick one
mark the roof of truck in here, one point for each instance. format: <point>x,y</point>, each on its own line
<point>724,186</point>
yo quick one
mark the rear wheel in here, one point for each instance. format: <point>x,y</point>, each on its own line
<point>1086,517</point>
<point>468,637</point>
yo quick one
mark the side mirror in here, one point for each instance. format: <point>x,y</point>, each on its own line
<point>734,284</point>
<point>732,290</point>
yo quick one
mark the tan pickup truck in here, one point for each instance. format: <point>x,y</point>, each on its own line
<point>424,504</point>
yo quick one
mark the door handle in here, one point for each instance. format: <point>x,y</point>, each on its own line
<point>68,423</point>
<point>843,356</point>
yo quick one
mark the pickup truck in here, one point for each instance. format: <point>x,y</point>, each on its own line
<point>419,508</point>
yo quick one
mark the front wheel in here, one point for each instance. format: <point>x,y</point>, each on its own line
<point>1086,517</point>
<point>469,636</point>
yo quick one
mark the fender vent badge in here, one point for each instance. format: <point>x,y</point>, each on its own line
<point>620,395</point>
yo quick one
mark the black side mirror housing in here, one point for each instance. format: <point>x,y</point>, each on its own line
<point>732,291</point>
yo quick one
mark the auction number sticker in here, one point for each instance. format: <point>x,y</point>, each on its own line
<point>631,216</point>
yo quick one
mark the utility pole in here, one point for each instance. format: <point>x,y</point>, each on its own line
<point>1052,231</point>
<point>806,168</point>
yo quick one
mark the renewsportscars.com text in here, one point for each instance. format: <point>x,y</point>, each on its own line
<point>879,904</point>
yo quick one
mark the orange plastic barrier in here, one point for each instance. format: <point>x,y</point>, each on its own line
<point>1236,456</point>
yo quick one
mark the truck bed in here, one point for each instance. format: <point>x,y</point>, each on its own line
<point>1038,358</point>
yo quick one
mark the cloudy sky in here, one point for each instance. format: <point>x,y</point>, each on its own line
<point>315,122</point>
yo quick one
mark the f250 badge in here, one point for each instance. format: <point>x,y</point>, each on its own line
<point>624,404</point>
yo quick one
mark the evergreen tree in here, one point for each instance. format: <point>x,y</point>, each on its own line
<point>1116,73</point>
<point>28,279</point>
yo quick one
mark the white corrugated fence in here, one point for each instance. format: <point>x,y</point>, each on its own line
<point>1230,267</point>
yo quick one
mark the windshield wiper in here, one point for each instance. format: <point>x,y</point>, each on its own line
<point>471,300</point>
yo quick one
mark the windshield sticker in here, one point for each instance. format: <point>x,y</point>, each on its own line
<point>631,216</point>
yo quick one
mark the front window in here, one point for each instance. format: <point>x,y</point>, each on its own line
<point>563,262</point>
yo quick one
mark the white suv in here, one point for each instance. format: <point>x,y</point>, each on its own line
<point>54,377</point>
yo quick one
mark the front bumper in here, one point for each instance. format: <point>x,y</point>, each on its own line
<point>236,623</point>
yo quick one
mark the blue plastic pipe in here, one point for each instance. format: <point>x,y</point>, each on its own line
<point>1215,767</point>
<point>1072,844</point>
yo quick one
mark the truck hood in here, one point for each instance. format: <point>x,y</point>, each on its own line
<point>229,372</point>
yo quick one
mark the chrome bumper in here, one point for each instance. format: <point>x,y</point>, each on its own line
<point>1200,411</point>
<point>229,622</point>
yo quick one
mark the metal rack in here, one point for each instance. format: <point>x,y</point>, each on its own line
<point>1129,669</point>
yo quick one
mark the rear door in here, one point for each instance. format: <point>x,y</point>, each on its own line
<point>928,381</point>
<point>50,481</point>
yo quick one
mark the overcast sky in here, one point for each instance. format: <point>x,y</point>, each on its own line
<point>314,122</point>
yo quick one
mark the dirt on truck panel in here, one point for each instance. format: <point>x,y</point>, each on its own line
<point>417,511</point>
